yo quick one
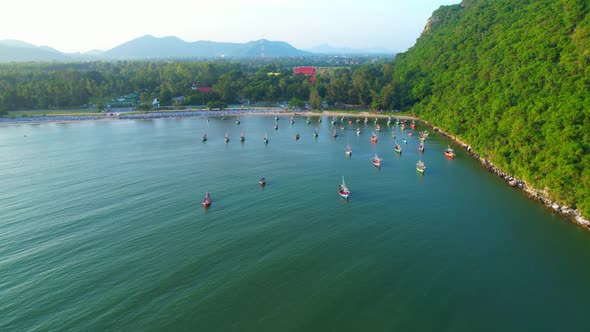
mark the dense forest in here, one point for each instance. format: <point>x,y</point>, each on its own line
<point>511,78</point>
<point>55,85</point>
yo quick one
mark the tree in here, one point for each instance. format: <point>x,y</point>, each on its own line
<point>296,102</point>
<point>315,100</point>
<point>216,104</point>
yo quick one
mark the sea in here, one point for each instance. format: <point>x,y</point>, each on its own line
<point>102,229</point>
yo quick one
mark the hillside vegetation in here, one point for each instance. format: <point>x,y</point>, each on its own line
<point>511,78</point>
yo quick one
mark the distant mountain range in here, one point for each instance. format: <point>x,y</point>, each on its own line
<point>150,47</point>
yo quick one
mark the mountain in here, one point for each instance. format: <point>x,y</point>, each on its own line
<point>147,47</point>
<point>16,50</point>
<point>327,49</point>
<point>512,79</point>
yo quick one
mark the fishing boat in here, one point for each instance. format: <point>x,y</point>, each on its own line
<point>413,124</point>
<point>292,120</point>
<point>376,161</point>
<point>207,200</point>
<point>226,138</point>
<point>242,137</point>
<point>420,167</point>
<point>343,190</point>
<point>393,133</point>
<point>315,133</point>
<point>410,133</point>
<point>276,127</point>
<point>238,121</point>
<point>307,121</point>
<point>276,118</point>
<point>421,147</point>
<point>358,131</point>
<point>204,138</point>
<point>296,137</point>
<point>449,153</point>
<point>377,128</point>
<point>262,181</point>
<point>397,148</point>
<point>405,140</point>
<point>333,122</point>
<point>348,150</point>
<point>265,139</point>
<point>374,138</point>
<point>335,133</point>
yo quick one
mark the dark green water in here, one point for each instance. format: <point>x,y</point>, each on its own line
<point>102,228</point>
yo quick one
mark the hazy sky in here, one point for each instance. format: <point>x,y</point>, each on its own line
<point>82,25</point>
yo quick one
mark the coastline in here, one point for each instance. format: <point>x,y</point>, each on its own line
<point>565,211</point>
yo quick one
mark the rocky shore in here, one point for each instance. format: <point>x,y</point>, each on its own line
<point>537,195</point>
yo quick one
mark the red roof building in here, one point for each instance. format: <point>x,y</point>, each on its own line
<point>204,88</point>
<point>306,70</point>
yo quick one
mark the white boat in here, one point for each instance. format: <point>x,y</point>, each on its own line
<point>376,161</point>
<point>348,150</point>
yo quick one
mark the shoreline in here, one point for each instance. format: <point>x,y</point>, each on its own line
<point>35,120</point>
<point>555,207</point>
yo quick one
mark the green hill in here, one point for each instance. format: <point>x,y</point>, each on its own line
<point>511,78</point>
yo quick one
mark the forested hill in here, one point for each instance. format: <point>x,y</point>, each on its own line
<point>511,78</point>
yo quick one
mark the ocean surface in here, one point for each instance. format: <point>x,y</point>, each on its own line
<point>102,229</point>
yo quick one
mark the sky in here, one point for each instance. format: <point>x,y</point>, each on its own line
<point>83,25</point>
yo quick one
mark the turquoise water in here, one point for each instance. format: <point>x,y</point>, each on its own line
<point>102,228</point>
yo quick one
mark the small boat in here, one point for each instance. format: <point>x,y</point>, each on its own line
<point>358,131</point>
<point>358,120</point>
<point>403,126</point>
<point>420,167</point>
<point>207,200</point>
<point>333,122</point>
<point>204,138</point>
<point>292,120</point>
<point>276,127</point>
<point>413,124</point>
<point>226,138</point>
<point>409,133</point>
<point>238,121</point>
<point>262,181</point>
<point>320,119</point>
<point>342,119</point>
<point>405,140</point>
<point>335,133</point>
<point>376,120</point>
<point>366,120</point>
<point>296,137</point>
<point>449,153</point>
<point>276,118</point>
<point>315,133</point>
<point>350,122</point>
<point>307,121</point>
<point>377,128</point>
<point>376,161</point>
<point>374,138</point>
<point>397,148</point>
<point>265,139</point>
<point>343,190</point>
<point>242,137</point>
<point>348,150</point>
<point>421,147</point>
<point>393,134</point>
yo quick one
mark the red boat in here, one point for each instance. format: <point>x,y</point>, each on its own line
<point>449,153</point>
<point>207,200</point>
<point>376,161</point>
